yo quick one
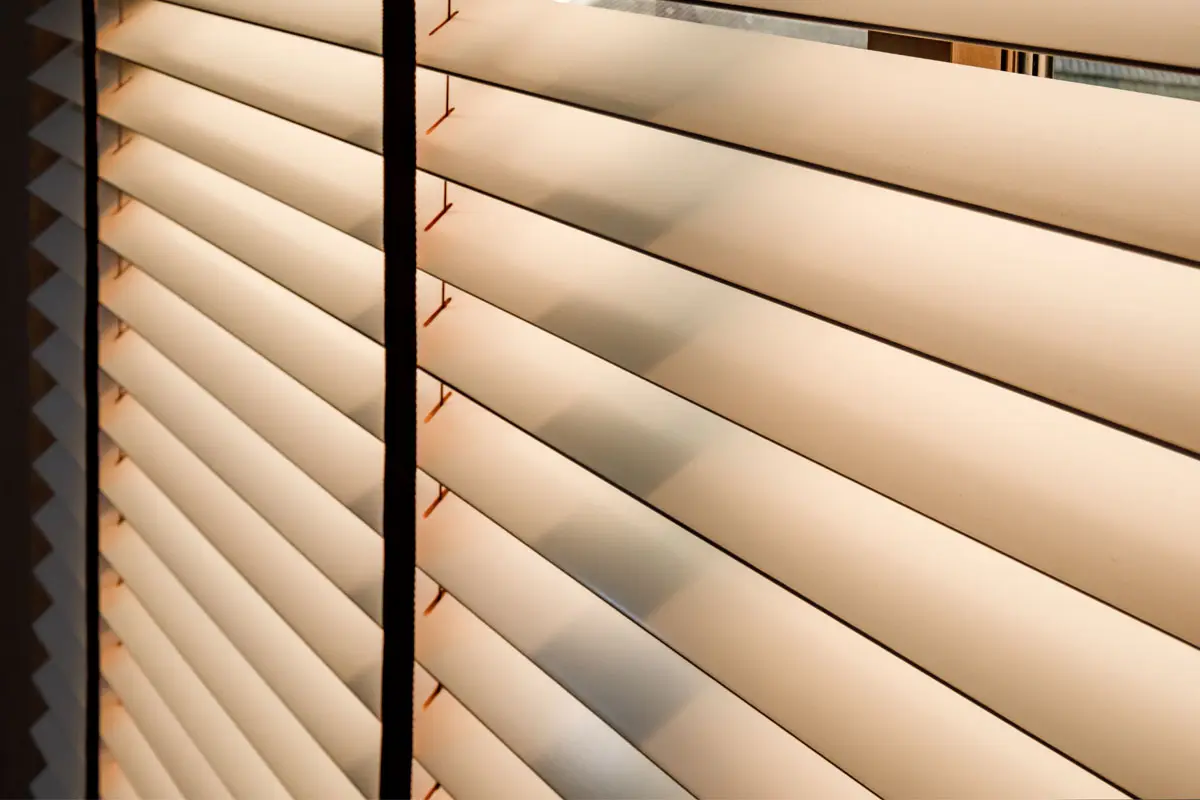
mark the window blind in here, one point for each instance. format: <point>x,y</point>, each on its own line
<point>809,420</point>
<point>241,402</point>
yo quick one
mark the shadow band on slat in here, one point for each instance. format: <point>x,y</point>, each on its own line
<point>815,315</point>
<point>759,571</point>
<point>795,452</point>
<point>625,613</point>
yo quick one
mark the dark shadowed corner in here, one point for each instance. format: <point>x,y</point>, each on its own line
<point>19,703</point>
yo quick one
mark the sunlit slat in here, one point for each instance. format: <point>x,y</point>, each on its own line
<point>937,597</point>
<point>897,422</point>
<point>180,756</point>
<point>715,611</point>
<point>931,276</point>
<point>328,179</point>
<point>338,631</point>
<point>334,271</point>
<point>318,85</point>
<point>291,751</point>
<point>286,497</point>
<point>219,738</point>
<point>339,454</point>
<point>333,360</point>
<point>352,23</point>
<point>424,784</point>
<point>133,751</point>
<point>470,761</point>
<point>864,112</point>
<point>113,783</point>
<point>310,689</point>
<point>576,753</point>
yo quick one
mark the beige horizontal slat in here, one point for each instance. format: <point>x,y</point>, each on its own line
<point>1156,31</point>
<point>339,454</point>
<point>63,132</point>
<point>328,179</point>
<point>286,745</point>
<point>715,611</point>
<point>291,501</point>
<point>338,631</point>
<point>219,738</point>
<point>65,245</point>
<point>329,268</point>
<point>63,360</point>
<point>575,752</point>
<point>113,783</point>
<point>899,423</point>
<point>470,761</point>
<point>951,605</point>
<point>234,548</point>
<point>62,75</point>
<point>1047,312</point>
<point>330,358</point>
<point>133,751</point>
<point>331,89</point>
<point>351,23</point>
<point>697,731</point>
<point>1003,142</point>
<point>423,784</point>
<point>311,690</point>
<point>180,756</point>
